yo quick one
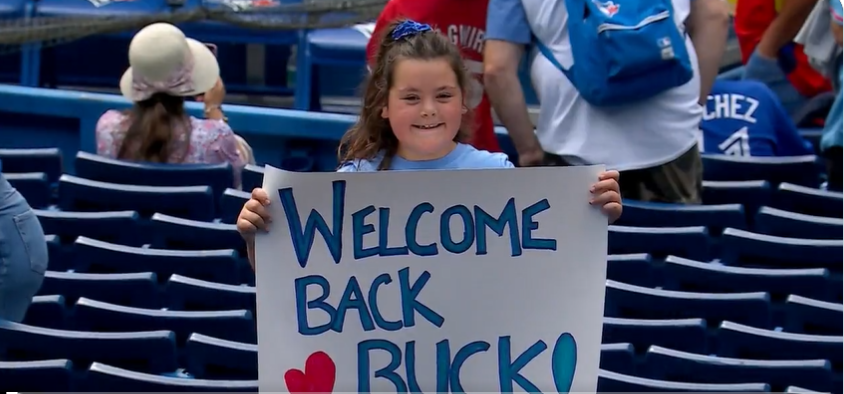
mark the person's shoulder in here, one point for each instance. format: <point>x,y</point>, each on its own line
<point>360,165</point>
<point>110,121</point>
<point>472,158</point>
<point>112,116</point>
<point>211,127</point>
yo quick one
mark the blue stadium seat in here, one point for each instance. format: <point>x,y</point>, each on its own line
<point>811,201</point>
<point>102,377</point>
<point>685,334</point>
<point>120,227</point>
<point>231,203</point>
<point>192,202</point>
<point>616,382</point>
<point>691,242</point>
<point>631,301</point>
<point>737,340</point>
<point>171,232</point>
<point>185,293</point>
<point>795,389</point>
<point>85,8</point>
<point>48,161</point>
<point>650,214</point>
<point>750,194</point>
<point>99,168</point>
<point>236,325</point>
<point>217,265</point>
<point>669,364</point>
<point>801,170</point>
<point>151,351</point>
<point>12,9</point>
<point>688,275</point>
<point>47,311</point>
<point>40,376</point>
<point>744,247</point>
<point>337,47</point>
<point>138,289</point>
<point>253,176</point>
<point>772,221</point>
<point>214,358</point>
<point>618,357</point>
<point>55,252</point>
<point>812,316</point>
<point>33,186</point>
<point>631,268</point>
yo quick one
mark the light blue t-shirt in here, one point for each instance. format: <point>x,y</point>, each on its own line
<point>463,157</point>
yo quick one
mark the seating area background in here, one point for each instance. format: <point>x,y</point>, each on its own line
<point>148,288</point>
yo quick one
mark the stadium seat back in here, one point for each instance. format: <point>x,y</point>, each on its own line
<point>99,168</point>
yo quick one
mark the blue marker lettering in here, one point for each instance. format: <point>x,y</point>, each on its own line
<point>506,219</point>
<point>359,229</point>
<point>528,225</point>
<point>304,240</point>
<point>508,372</point>
<point>410,231</point>
<point>409,302</point>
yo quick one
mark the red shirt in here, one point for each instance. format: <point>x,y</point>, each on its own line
<point>464,22</point>
<point>752,19</point>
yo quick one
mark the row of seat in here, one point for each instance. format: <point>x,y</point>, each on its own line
<point>800,170</point>
<point>151,357</point>
<point>176,291</point>
<point>736,248</point>
<point>200,204</point>
<point>796,315</point>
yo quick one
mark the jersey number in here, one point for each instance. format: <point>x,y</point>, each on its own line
<point>737,144</point>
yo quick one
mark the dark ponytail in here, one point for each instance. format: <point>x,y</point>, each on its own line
<point>150,131</point>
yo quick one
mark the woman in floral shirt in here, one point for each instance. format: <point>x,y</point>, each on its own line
<point>165,68</point>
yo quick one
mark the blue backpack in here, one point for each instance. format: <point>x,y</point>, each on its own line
<point>624,50</point>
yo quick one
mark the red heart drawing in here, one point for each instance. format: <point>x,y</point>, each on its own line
<point>318,377</point>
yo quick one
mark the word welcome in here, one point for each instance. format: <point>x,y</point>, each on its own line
<point>475,221</point>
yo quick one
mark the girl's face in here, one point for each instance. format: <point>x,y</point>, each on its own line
<point>425,108</point>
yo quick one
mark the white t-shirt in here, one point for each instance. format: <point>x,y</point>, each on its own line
<point>640,135</point>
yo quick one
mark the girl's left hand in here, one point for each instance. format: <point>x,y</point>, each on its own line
<point>606,194</point>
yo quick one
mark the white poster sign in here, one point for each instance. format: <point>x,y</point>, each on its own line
<point>432,281</point>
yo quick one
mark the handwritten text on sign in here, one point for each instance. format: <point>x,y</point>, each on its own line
<point>442,280</point>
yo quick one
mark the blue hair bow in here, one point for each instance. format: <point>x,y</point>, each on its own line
<point>409,28</point>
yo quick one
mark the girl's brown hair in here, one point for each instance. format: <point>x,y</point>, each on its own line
<point>150,131</point>
<point>372,133</point>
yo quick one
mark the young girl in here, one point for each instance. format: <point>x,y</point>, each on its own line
<point>414,117</point>
<point>463,22</point>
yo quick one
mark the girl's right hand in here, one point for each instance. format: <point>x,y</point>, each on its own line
<point>254,216</point>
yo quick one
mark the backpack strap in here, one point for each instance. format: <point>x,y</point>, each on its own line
<point>546,52</point>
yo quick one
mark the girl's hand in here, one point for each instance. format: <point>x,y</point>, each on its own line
<point>254,216</point>
<point>606,194</point>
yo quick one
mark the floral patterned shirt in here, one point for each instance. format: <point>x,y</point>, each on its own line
<point>209,142</point>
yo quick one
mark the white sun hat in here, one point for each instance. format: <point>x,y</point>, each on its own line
<point>163,60</point>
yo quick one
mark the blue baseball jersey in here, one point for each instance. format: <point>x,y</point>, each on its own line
<point>744,118</point>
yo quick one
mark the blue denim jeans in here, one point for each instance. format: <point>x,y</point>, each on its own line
<point>769,72</point>
<point>23,254</point>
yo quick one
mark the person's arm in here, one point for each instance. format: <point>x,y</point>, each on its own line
<point>507,34</point>
<point>785,26</point>
<point>708,26</point>
<point>107,125</point>
<point>789,140</point>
